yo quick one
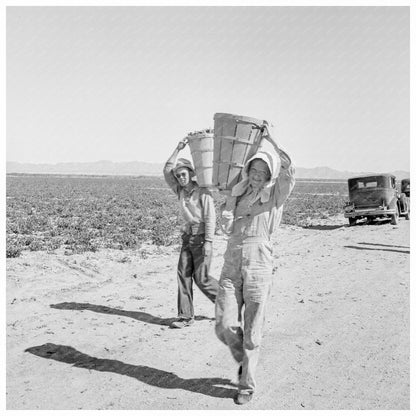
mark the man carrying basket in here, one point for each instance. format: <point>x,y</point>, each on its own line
<point>250,216</point>
<point>198,210</point>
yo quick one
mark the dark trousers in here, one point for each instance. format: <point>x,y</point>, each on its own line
<point>192,266</point>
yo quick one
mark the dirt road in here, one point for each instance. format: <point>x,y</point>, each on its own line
<point>91,331</point>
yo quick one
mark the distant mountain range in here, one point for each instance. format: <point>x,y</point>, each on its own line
<point>106,167</point>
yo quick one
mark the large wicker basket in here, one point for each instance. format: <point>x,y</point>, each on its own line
<point>236,139</point>
<point>201,144</point>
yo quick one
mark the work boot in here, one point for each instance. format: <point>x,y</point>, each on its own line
<point>182,323</point>
<point>242,398</point>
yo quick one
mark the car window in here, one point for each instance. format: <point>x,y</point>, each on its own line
<point>371,182</point>
<point>362,184</point>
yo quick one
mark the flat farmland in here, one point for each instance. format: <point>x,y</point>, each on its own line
<point>91,288</point>
<point>86,213</point>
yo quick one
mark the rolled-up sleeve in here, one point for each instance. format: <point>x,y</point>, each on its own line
<point>208,211</point>
<point>285,182</point>
<point>170,178</point>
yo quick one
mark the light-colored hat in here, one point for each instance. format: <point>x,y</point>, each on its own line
<point>184,163</point>
<point>272,161</point>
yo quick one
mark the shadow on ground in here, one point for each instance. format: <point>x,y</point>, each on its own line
<point>378,249</point>
<point>323,227</point>
<point>214,387</point>
<point>378,221</point>
<point>140,316</point>
<point>383,245</point>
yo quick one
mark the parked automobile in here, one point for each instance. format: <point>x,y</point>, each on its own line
<point>375,196</point>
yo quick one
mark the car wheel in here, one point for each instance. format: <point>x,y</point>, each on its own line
<point>395,217</point>
<point>352,221</point>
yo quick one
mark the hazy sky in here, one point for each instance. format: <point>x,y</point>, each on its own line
<point>126,83</point>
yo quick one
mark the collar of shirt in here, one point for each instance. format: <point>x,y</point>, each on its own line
<point>188,191</point>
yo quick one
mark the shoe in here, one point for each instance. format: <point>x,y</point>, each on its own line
<point>242,398</point>
<point>182,323</point>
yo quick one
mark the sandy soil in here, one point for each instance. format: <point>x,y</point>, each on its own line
<point>91,331</point>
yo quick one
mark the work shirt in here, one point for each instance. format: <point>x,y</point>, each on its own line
<point>258,214</point>
<point>196,205</point>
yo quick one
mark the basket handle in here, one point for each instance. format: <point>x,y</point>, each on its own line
<point>253,125</point>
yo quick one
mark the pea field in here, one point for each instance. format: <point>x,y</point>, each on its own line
<point>86,213</point>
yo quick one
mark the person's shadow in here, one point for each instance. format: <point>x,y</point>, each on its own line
<point>215,387</point>
<point>140,316</point>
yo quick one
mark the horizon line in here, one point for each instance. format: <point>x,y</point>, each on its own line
<point>162,163</point>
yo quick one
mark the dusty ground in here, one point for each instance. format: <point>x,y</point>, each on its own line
<point>91,331</point>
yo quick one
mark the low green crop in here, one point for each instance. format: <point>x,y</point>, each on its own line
<point>86,213</point>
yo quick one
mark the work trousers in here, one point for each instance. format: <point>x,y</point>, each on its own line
<point>245,281</point>
<point>193,266</point>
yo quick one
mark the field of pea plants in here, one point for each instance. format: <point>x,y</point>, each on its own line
<point>86,213</point>
<point>91,289</point>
